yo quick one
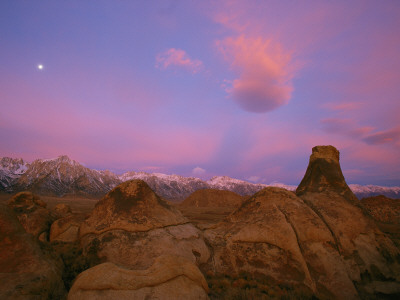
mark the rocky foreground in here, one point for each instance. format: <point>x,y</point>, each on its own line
<point>319,242</point>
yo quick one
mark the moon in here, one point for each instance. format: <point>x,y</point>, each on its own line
<point>40,67</point>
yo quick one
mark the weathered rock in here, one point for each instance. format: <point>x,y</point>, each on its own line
<point>383,209</point>
<point>26,272</point>
<point>131,226</point>
<point>66,229</point>
<point>61,210</point>
<point>32,213</point>
<point>169,277</point>
<point>276,236</point>
<point>371,257</point>
<point>324,174</point>
<point>213,198</point>
<point>386,214</point>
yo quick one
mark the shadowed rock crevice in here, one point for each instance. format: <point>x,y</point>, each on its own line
<point>300,246</point>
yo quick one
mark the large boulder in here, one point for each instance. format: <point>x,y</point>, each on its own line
<point>26,271</point>
<point>370,256</point>
<point>276,238</point>
<point>66,229</point>
<point>131,226</point>
<point>211,198</point>
<point>169,277</point>
<point>32,213</point>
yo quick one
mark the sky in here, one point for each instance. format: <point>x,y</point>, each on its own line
<point>203,88</point>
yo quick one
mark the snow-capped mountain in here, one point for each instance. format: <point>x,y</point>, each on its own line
<point>62,175</point>
<point>168,186</point>
<point>240,187</point>
<point>363,191</point>
<point>10,170</point>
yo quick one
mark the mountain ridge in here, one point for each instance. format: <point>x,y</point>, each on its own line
<point>61,176</point>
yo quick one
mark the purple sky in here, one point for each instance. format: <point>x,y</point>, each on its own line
<point>203,88</point>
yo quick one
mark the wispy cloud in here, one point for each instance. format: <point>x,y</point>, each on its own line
<point>344,127</point>
<point>383,137</point>
<point>265,73</point>
<point>178,58</point>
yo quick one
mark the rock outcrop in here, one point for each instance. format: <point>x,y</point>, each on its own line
<point>383,209</point>
<point>169,277</point>
<point>32,214</point>
<point>213,198</point>
<point>370,257</point>
<point>131,226</point>
<point>386,214</point>
<point>274,236</point>
<point>324,174</point>
<point>26,272</point>
<point>319,239</point>
<point>66,229</point>
<point>61,210</point>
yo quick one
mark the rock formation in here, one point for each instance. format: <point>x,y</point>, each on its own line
<point>26,272</point>
<point>275,236</point>
<point>169,277</point>
<point>319,239</point>
<point>66,229</point>
<point>213,198</point>
<point>383,209</point>
<point>32,213</point>
<point>62,210</point>
<point>370,257</point>
<point>131,226</point>
<point>386,214</point>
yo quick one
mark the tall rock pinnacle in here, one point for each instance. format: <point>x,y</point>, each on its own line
<point>324,173</point>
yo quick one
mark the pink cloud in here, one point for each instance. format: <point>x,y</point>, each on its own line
<point>344,127</point>
<point>265,73</point>
<point>383,137</point>
<point>178,58</point>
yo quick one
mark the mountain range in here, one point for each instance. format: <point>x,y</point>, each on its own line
<point>63,176</point>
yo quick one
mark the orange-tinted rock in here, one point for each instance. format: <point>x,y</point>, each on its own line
<point>169,277</point>
<point>383,209</point>
<point>32,213</point>
<point>66,229</point>
<point>371,257</point>
<point>61,210</point>
<point>26,272</point>
<point>213,198</point>
<point>131,206</point>
<point>324,174</point>
<point>131,226</point>
<point>386,213</point>
<point>275,235</point>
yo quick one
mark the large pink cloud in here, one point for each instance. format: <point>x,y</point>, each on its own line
<point>265,72</point>
<point>178,58</point>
